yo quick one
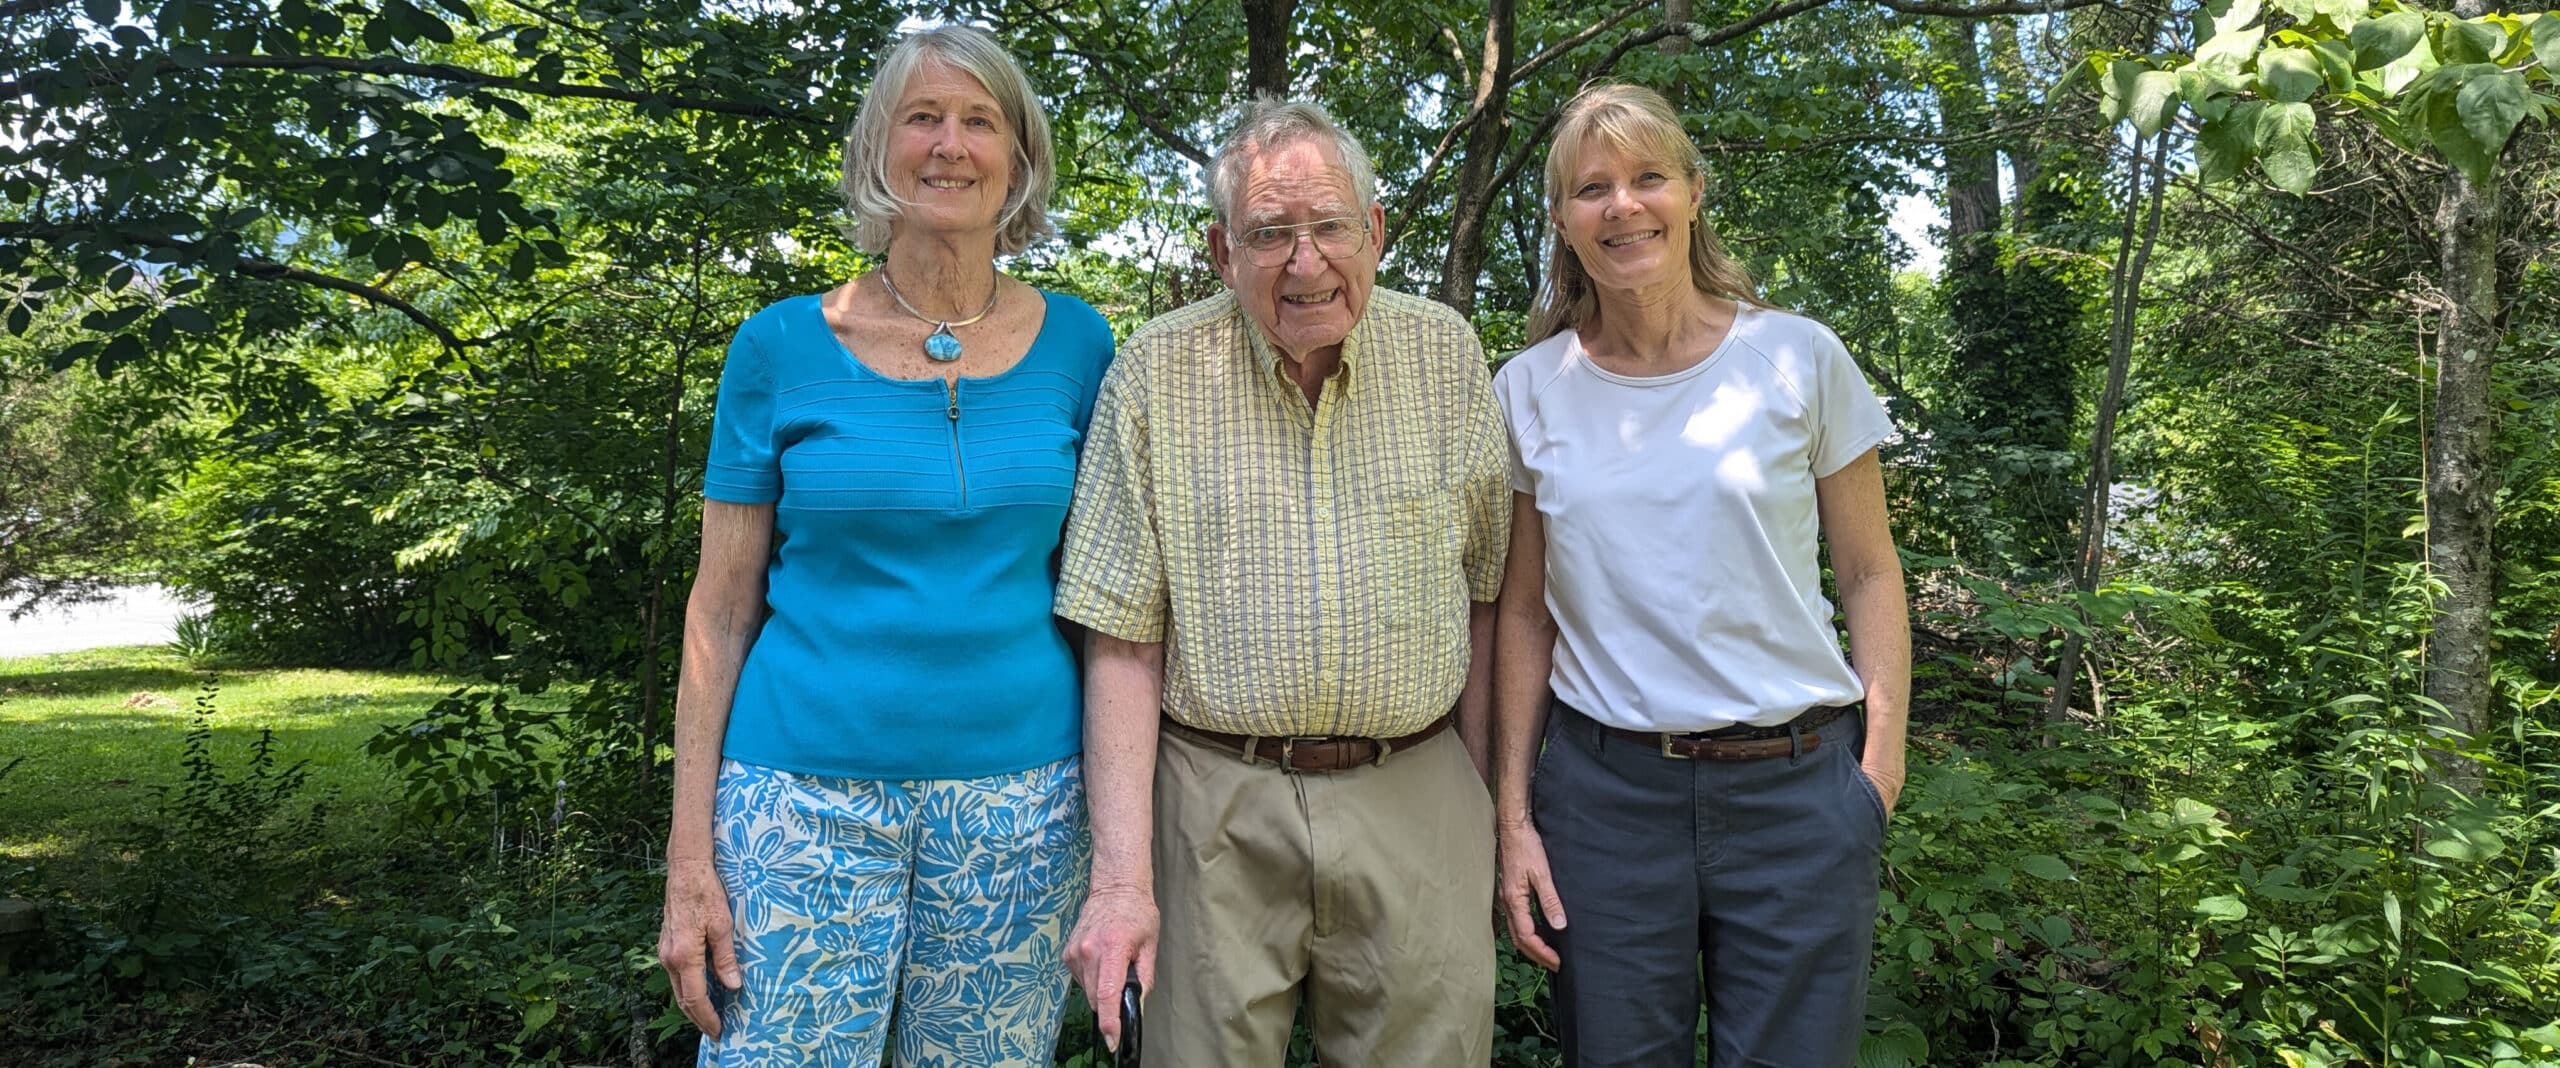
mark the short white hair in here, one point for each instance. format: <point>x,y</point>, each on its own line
<point>1267,123</point>
<point>869,201</point>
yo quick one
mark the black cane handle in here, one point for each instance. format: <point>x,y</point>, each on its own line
<point>1130,994</point>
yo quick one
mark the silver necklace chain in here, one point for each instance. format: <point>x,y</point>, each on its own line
<point>941,346</point>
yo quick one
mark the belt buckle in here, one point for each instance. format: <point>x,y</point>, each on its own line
<point>1667,738</point>
<point>1289,750</point>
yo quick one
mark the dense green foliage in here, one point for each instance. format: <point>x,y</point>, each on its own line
<point>395,327</point>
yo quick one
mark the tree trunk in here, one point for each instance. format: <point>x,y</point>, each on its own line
<point>1674,12</point>
<point>2462,472</point>
<point>2025,165</point>
<point>2131,261</point>
<point>1266,46</point>
<point>1473,202</point>
<point>1973,180</point>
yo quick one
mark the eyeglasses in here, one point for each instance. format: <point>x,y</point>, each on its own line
<point>1335,238</point>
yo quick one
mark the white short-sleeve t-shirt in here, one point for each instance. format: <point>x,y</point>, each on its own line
<point>1681,523</point>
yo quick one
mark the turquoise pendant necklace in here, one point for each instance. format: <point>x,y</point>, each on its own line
<point>941,345</point>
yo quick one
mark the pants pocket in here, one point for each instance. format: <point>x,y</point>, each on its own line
<point>1867,789</point>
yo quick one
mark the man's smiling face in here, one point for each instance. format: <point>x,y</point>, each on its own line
<point>1308,303</point>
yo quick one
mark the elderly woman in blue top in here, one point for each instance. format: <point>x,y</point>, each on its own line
<point>879,809</point>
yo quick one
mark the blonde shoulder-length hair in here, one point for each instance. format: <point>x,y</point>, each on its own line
<point>1640,123</point>
<point>873,207</point>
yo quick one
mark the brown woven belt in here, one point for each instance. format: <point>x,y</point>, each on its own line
<point>1321,753</point>
<point>1738,743</point>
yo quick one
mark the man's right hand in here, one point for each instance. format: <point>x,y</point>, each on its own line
<point>695,930</point>
<point>1526,884</point>
<point>1117,927</point>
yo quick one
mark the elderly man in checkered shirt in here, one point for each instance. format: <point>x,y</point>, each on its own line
<point>1287,536</point>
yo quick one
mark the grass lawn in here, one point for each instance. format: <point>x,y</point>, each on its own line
<point>98,729</point>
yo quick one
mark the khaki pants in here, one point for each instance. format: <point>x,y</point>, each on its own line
<point>1370,889</point>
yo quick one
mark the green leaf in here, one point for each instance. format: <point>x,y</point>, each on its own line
<point>2391,913</point>
<point>2476,41</point>
<point>2225,146</point>
<point>103,12</point>
<point>2491,105</point>
<point>2230,50</point>
<point>2116,85</point>
<point>2049,869</point>
<point>2406,70</point>
<point>191,319</point>
<point>64,358</point>
<point>2544,31</point>
<point>1899,1045</point>
<point>2223,907</point>
<point>2285,149</point>
<point>2289,74</point>
<point>2233,37</point>
<point>2469,845</point>
<point>110,320</point>
<point>2442,984</point>
<point>2342,11</point>
<point>2337,63</point>
<point>2201,86</point>
<point>2380,42</point>
<point>2189,812</point>
<point>2445,128</point>
<point>2154,100</point>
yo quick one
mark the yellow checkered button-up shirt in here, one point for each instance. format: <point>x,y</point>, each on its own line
<point>1307,567</point>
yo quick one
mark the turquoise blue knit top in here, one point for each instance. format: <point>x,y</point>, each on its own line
<point>915,546</point>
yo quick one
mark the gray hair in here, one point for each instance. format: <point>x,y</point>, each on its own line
<point>867,196</point>
<point>1268,122</point>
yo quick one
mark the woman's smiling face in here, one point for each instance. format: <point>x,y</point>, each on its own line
<point>950,152</point>
<point>1627,219</point>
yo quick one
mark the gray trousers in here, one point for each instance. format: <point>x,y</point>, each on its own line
<point>1765,869</point>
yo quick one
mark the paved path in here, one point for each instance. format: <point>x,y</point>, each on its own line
<point>136,615</point>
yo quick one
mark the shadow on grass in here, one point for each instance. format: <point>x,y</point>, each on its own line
<point>89,682</point>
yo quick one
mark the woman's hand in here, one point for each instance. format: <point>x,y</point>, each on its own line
<point>1524,881</point>
<point>1886,771</point>
<point>1116,928</point>
<point>696,929</point>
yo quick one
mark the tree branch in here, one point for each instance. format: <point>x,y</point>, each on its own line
<point>442,72</point>
<point>1131,98</point>
<point>254,267</point>
<point>1449,138</point>
<point>2310,262</point>
<point>1530,67</point>
<point>1989,10</point>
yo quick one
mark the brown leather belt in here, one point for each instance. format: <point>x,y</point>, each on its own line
<point>1320,753</point>
<point>1738,743</point>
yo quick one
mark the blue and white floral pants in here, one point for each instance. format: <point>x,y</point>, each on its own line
<point>950,899</point>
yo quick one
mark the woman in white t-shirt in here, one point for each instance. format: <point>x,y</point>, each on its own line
<point>1686,774</point>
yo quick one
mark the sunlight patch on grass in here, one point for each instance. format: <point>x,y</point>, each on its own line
<point>100,730</point>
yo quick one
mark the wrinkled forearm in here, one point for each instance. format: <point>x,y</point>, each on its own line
<point>722,618</point>
<point>1124,687</point>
